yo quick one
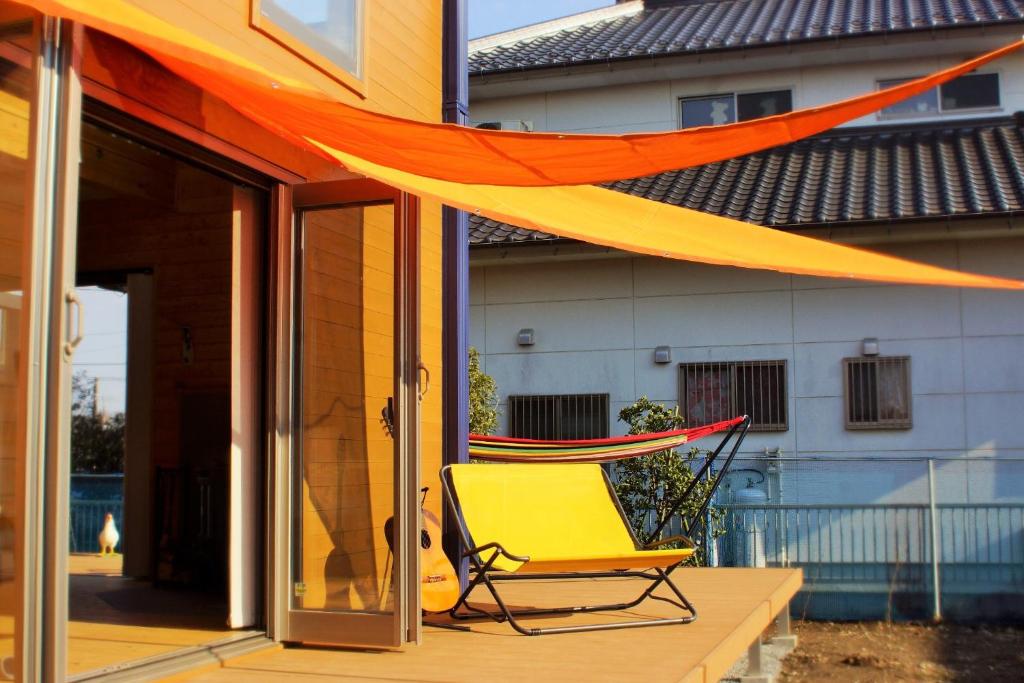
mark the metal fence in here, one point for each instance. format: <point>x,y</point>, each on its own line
<point>882,538</point>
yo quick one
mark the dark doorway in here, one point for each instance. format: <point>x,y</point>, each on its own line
<point>159,228</point>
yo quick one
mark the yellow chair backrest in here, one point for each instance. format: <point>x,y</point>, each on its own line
<point>541,510</point>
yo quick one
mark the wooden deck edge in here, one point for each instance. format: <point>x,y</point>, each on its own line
<point>786,591</point>
<point>720,660</point>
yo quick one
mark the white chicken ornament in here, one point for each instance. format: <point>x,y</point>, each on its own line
<point>109,536</point>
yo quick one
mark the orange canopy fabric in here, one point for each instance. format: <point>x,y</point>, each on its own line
<point>622,221</point>
<point>491,157</point>
<point>471,169</point>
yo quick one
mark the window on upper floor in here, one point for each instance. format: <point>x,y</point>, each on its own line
<point>565,416</point>
<point>877,392</point>
<point>973,91</point>
<point>326,33</point>
<point>714,110</point>
<point>712,392</point>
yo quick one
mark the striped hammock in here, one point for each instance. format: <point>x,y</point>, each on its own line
<point>506,449</point>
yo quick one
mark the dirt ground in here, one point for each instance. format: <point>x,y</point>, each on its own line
<point>876,651</point>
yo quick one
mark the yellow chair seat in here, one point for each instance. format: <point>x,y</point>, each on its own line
<point>564,517</point>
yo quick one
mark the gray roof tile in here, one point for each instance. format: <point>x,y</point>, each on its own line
<point>853,175</point>
<point>666,27</point>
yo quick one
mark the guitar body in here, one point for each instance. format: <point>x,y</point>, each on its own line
<point>439,585</point>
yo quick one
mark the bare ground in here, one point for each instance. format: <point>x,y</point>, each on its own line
<point>878,651</point>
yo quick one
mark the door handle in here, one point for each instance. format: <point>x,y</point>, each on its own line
<point>387,416</point>
<point>420,367</point>
<point>72,301</point>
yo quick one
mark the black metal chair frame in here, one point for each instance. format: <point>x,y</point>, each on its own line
<point>483,573</point>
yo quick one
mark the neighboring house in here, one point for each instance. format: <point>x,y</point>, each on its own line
<point>825,367</point>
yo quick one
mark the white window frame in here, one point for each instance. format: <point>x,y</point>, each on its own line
<point>942,113</point>
<point>304,43</point>
<point>735,100</point>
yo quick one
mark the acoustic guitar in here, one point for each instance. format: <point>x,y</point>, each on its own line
<point>439,584</point>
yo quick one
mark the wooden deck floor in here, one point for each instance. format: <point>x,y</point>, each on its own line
<point>115,620</point>
<point>735,606</point>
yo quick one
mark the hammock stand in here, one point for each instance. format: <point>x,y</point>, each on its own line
<point>509,449</point>
<point>490,562</point>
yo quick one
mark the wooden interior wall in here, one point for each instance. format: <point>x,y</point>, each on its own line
<point>15,93</point>
<point>347,377</point>
<point>144,210</point>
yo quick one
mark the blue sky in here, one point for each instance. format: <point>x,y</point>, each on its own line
<point>493,16</point>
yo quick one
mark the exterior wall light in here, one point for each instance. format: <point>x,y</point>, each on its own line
<point>662,355</point>
<point>869,347</point>
<point>525,337</point>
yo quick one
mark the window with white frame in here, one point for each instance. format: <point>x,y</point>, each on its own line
<point>328,33</point>
<point>562,416</point>
<point>712,392</point>
<point>714,110</point>
<point>877,392</point>
<point>970,92</point>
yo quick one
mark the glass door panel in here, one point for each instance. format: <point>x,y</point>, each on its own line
<point>346,472</point>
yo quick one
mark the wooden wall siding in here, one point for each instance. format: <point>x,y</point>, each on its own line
<point>15,90</point>
<point>175,219</point>
<point>347,377</point>
<point>403,76</point>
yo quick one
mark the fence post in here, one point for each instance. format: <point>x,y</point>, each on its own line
<point>936,549</point>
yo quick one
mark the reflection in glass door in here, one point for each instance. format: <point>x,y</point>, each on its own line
<point>347,471</point>
<point>16,88</point>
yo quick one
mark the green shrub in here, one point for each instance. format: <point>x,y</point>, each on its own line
<point>655,481</point>
<point>483,402</point>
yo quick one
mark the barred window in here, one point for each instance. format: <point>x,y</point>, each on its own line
<point>877,392</point>
<point>566,416</point>
<point>711,392</point>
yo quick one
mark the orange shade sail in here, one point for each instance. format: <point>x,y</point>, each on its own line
<point>622,221</point>
<point>483,156</point>
<point>532,179</point>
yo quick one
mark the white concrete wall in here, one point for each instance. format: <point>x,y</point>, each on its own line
<point>653,105</point>
<point>597,323</point>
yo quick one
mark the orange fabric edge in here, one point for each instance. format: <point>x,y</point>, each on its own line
<point>490,157</point>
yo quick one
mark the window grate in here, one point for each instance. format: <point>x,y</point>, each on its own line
<point>877,392</point>
<point>711,392</point>
<point>564,416</point>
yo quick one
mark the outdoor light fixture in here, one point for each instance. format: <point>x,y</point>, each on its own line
<point>525,337</point>
<point>662,355</point>
<point>869,347</point>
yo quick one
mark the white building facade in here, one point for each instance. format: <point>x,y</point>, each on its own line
<point>598,316</point>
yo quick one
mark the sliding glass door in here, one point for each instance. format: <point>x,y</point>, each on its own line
<point>352,472</point>
<point>39,105</point>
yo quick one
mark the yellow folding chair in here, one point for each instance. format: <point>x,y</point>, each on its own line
<point>528,521</point>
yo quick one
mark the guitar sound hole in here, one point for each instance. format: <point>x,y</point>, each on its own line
<point>424,539</point>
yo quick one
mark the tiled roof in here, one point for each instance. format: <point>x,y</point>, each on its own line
<point>685,26</point>
<point>857,175</point>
